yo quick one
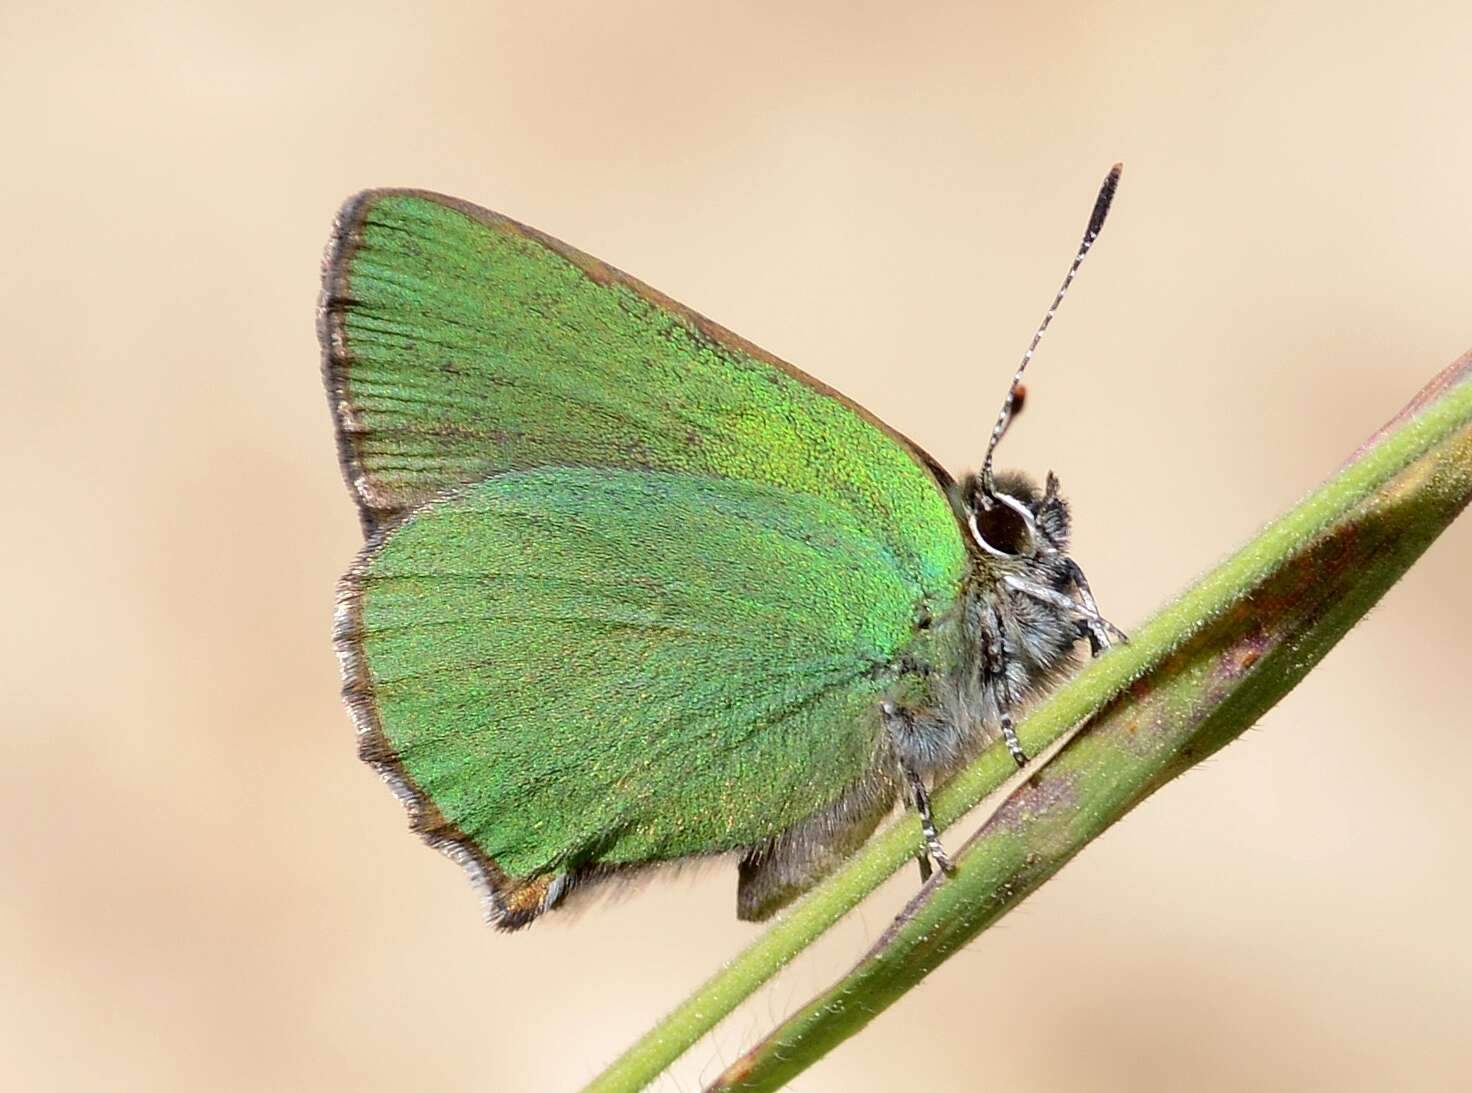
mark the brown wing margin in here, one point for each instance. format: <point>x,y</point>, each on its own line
<point>507,903</point>
<point>336,299</point>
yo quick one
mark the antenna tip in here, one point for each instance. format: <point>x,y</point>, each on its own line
<point>1102,202</point>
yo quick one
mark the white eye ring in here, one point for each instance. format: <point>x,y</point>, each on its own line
<point>1028,522</point>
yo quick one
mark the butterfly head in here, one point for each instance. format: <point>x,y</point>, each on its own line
<point>1012,518</point>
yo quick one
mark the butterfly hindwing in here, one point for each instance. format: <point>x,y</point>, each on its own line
<point>586,668</point>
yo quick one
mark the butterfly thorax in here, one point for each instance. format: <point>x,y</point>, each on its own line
<point>1011,632</point>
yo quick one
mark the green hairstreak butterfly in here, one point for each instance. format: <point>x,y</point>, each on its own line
<point>635,590</point>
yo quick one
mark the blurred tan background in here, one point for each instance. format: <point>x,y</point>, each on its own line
<point>203,889</point>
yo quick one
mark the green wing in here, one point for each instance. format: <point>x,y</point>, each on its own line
<point>633,585</point>
<point>585,668</point>
<point>460,344</point>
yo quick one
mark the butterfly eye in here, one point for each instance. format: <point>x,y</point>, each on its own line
<point>1006,529</point>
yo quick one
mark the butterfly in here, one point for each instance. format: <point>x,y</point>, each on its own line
<point>635,591</point>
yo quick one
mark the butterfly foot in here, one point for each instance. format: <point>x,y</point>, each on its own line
<point>933,852</point>
<point>1109,630</point>
<point>939,856</point>
<point>1014,746</point>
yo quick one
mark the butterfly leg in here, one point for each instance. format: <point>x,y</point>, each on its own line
<point>1097,642</point>
<point>995,671</point>
<point>937,852</point>
<point>900,724</point>
<point>1009,732</point>
<point>1101,627</point>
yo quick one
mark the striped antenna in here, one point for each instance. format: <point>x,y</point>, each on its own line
<point>1096,224</point>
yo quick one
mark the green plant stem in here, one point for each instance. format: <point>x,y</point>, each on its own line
<point>1172,669</point>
